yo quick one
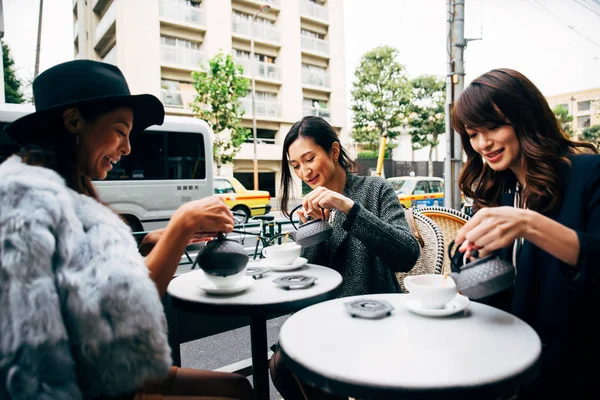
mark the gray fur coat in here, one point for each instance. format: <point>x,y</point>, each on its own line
<point>79,315</point>
<point>377,244</point>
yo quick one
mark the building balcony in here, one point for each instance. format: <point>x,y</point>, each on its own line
<point>111,56</point>
<point>100,5</point>
<point>261,69</point>
<point>314,10</point>
<point>315,78</point>
<point>181,57</point>
<point>171,99</point>
<point>314,45</point>
<point>182,13</point>
<point>259,32</point>
<point>264,108</point>
<point>106,29</point>
<point>317,112</point>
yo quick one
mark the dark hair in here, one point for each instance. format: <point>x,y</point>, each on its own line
<point>57,151</point>
<point>506,97</point>
<point>320,132</point>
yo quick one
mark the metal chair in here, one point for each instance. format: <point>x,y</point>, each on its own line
<point>449,221</point>
<point>431,241</point>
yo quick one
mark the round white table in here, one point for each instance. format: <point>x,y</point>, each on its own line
<point>260,300</point>
<point>479,353</point>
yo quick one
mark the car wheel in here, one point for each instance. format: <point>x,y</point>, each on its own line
<point>241,215</point>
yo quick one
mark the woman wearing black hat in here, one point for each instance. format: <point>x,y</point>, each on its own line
<point>81,317</point>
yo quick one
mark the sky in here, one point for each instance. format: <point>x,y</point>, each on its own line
<point>555,43</point>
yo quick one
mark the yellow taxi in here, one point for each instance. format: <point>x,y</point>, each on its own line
<point>419,191</point>
<point>249,202</point>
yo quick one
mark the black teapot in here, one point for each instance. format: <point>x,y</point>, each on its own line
<point>312,232</point>
<point>222,257</point>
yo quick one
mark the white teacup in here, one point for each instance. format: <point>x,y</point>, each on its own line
<point>432,290</point>
<point>282,253</point>
<point>226,282</point>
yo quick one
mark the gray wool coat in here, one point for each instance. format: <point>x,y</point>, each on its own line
<point>377,244</point>
<point>79,315</point>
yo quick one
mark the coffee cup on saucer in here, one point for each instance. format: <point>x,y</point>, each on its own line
<point>282,253</point>
<point>433,291</point>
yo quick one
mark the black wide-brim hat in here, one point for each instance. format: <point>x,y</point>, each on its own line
<point>79,83</point>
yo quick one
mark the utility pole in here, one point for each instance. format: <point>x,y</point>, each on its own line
<point>39,41</point>
<point>455,82</point>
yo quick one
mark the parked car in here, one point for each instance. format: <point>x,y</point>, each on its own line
<point>419,191</point>
<point>249,202</point>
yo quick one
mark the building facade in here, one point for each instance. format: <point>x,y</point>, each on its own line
<point>298,60</point>
<point>581,106</point>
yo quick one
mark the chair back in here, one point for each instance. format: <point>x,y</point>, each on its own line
<point>431,241</point>
<point>449,221</point>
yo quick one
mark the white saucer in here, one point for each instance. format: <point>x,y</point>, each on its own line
<point>210,287</point>
<point>455,305</point>
<point>299,263</point>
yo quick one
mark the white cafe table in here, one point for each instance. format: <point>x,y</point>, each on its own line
<point>479,353</point>
<point>262,299</point>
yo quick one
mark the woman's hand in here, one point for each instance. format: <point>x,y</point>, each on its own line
<point>491,229</point>
<point>326,199</point>
<point>205,218</point>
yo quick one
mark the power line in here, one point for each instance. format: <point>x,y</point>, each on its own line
<point>586,6</point>
<point>572,27</point>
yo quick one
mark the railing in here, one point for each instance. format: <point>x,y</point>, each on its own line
<point>105,23</point>
<point>317,112</point>
<point>314,44</point>
<point>111,56</point>
<point>171,99</point>
<point>182,12</point>
<point>315,78</point>
<point>180,56</point>
<point>261,31</point>
<point>264,108</point>
<point>261,68</point>
<point>314,10</point>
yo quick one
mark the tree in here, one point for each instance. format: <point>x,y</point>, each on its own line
<point>12,85</point>
<point>219,86</point>
<point>564,119</point>
<point>592,134</point>
<point>380,97</point>
<point>426,114</point>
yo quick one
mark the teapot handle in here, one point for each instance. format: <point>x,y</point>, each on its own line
<point>454,264</point>
<point>297,207</point>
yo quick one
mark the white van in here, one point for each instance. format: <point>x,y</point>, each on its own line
<point>169,165</point>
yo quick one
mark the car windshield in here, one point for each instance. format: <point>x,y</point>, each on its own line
<point>402,186</point>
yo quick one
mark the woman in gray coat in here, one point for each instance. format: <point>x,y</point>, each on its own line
<point>371,239</point>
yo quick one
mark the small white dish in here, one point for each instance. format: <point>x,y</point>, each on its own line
<point>210,287</point>
<point>457,304</point>
<point>299,263</point>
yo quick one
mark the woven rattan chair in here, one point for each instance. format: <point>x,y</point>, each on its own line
<point>449,221</point>
<point>431,242</point>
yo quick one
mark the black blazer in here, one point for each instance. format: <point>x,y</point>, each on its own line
<point>560,302</point>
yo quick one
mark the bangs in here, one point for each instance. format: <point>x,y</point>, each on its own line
<point>475,108</point>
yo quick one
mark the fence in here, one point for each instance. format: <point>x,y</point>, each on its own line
<point>393,168</point>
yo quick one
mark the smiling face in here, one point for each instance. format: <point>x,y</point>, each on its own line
<point>498,146</point>
<point>312,163</point>
<point>103,141</point>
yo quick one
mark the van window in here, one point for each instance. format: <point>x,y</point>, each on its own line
<point>162,155</point>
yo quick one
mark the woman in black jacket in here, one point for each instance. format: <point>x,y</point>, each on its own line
<point>538,202</point>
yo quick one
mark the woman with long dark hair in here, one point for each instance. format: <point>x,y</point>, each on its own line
<point>81,312</point>
<point>537,196</point>
<point>371,239</point>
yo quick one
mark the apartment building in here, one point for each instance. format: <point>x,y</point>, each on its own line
<point>298,62</point>
<point>580,106</point>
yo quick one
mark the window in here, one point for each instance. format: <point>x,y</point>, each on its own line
<point>171,86</point>
<point>584,121</point>
<point>584,105</point>
<point>422,187</point>
<point>401,186</point>
<point>436,187</point>
<point>306,32</point>
<point>162,155</point>
<point>238,16</point>
<point>223,186</point>
<point>245,55</point>
<point>180,43</point>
